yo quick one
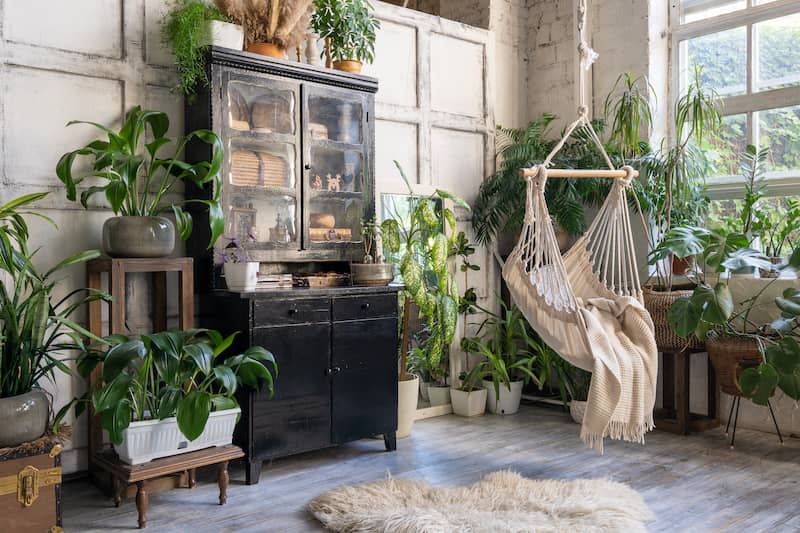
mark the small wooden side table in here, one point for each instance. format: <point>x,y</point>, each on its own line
<point>124,474</point>
<point>676,417</point>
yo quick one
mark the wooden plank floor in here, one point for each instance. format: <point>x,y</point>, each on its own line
<point>693,483</point>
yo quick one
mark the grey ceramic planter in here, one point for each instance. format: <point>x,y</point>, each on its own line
<point>23,418</point>
<point>138,237</point>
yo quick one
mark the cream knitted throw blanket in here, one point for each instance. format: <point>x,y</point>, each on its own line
<point>622,393</point>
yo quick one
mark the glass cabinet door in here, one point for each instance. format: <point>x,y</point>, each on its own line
<point>336,166</point>
<point>261,189</point>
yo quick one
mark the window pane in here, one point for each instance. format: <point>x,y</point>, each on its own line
<point>722,58</point>
<point>724,149</point>
<point>692,10</point>
<point>778,48</point>
<point>780,129</point>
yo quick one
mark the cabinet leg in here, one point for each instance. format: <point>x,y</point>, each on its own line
<point>223,480</point>
<point>118,488</point>
<point>192,475</point>
<point>141,503</point>
<point>390,441</point>
<point>253,472</point>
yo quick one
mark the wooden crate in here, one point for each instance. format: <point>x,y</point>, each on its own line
<point>30,487</point>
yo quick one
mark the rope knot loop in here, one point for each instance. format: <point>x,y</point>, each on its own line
<point>628,178</point>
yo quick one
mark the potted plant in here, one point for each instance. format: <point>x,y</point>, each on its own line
<point>408,383</point>
<point>374,270</point>
<point>170,392</point>
<point>135,183</point>
<point>425,270</point>
<point>510,356</point>
<point>34,326</point>
<point>349,30</point>
<point>241,274</point>
<point>468,398</point>
<point>189,28</point>
<point>270,26</point>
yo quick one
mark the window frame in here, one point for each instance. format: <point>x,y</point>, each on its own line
<point>781,183</point>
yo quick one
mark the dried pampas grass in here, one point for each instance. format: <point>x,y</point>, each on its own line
<point>280,22</point>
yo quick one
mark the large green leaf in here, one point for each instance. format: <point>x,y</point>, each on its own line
<point>117,419</point>
<point>119,356</point>
<point>202,355</point>
<point>789,302</point>
<point>722,245</point>
<point>192,413</point>
<point>439,252</point>
<point>790,384</point>
<point>759,383</point>
<point>226,378</point>
<point>390,235</point>
<point>684,316</point>
<point>168,398</point>
<point>112,393</point>
<point>716,303</point>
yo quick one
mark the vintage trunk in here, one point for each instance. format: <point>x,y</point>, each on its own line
<point>30,489</point>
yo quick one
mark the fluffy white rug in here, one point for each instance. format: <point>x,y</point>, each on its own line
<point>500,502</point>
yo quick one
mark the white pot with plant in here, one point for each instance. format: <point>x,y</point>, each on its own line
<point>271,27</point>
<point>136,179</point>
<point>509,354</point>
<point>349,30</point>
<point>241,274</point>
<point>422,247</point>
<point>153,409</point>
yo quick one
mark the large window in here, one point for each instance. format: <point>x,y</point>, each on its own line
<point>749,52</point>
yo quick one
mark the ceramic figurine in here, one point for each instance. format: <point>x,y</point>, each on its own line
<point>317,184</point>
<point>334,183</point>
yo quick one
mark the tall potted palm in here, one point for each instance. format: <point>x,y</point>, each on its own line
<point>349,29</point>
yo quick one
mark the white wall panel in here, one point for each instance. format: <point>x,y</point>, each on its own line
<point>403,148</point>
<point>88,26</point>
<point>38,105</point>
<point>396,64</point>
<point>458,157</point>
<point>457,76</point>
<point>155,52</point>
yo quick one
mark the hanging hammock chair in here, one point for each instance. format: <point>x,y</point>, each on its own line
<point>587,305</point>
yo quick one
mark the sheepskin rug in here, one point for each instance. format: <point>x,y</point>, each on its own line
<point>500,502</point>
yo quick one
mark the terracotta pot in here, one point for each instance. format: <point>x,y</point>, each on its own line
<point>773,272</point>
<point>348,65</point>
<point>679,266</point>
<point>267,49</point>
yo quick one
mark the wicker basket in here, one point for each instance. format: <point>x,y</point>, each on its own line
<point>730,355</point>
<point>657,304</point>
<point>258,169</point>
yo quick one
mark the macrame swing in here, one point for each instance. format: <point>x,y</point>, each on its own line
<point>587,305</point>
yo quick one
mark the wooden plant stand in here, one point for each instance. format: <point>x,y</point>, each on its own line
<point>675,417</point>
<point>117,270</point>
<point>123,474</point>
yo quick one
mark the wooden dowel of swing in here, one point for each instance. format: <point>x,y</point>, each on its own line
<point>577,173</point>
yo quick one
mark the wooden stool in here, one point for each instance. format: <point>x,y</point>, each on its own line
<point>124,474</point>
<point>675,417</point>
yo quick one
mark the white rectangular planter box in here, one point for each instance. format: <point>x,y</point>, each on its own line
<point>225,34</point>
<point>150,439</point>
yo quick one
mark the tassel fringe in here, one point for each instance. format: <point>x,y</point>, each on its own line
<point>618,430</point>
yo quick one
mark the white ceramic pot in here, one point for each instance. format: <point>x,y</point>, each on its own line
<point>508,403</point>
<point>472,403</point>
<point>407,392</point>
<point>241,276</point>
<point>225,34</point>
<point>576,410</point>
<point>439,395</point>
<point>150,439</point>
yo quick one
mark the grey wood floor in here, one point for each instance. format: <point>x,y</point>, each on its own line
<point>693,483</point>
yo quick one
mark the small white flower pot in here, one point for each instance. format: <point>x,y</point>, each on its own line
<point>508,403</point>
<point>225,34</point>
<point>472,403</point>
<point>407,392</point>
<point>439,395</point>
<point>146,440</point>
<point>576,410</point>
<point>241,276</point>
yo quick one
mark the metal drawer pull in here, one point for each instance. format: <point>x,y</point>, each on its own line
<point>365,306</point>
<point>293,311</point>
<point>333,370</point>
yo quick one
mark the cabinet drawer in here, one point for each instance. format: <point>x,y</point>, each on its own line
<point>290,311</point>
<point>359,307</point>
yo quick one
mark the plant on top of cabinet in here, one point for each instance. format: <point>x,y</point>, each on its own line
<point>425,269</point>
<point>189,28</point>
<point>349,29</point>
<point>373,270</point>
<point>177,385</point>
<point>270,26</point>
<point>137,182</point>
<point>34,326</point>
<point>241,274</point>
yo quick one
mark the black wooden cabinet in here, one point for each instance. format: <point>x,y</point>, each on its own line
<point>336,351</point>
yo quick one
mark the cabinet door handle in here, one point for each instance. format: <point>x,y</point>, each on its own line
<point>307,166</point>
<point>293,311</point>
<point>365,306</point>
<point>333,370</point>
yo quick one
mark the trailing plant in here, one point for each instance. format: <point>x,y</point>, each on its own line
<point>280,22</point>
<point>510,353</point>
<point>349,26</point>
<point>186,30</point>
<point>182,374</point>
<point>500,204</point>
<point>424,267</point>
<point>134,181</point>
<point>34,327</point>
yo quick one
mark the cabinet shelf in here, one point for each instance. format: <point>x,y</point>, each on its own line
<point>317,195</point>
<point>265,190</point>
<point>337,145</point>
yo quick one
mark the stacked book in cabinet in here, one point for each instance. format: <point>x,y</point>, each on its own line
<point>297,182</point>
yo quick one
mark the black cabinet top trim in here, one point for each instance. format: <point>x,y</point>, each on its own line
<point>290,69</point>
<point>300,292</point>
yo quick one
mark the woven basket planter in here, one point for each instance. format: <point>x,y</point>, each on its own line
<point>730,355</point>
<point>657,304</point>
